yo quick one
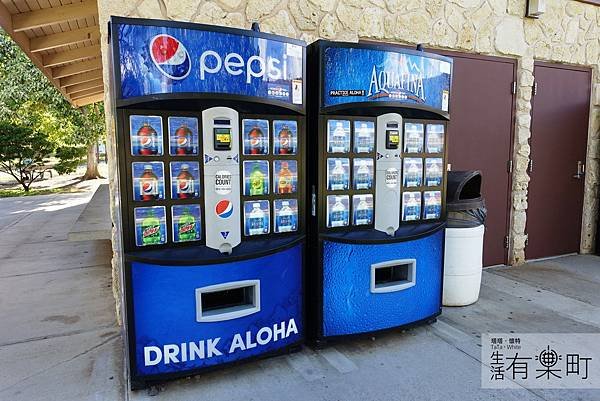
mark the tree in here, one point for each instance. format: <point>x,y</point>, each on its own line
<point>28,99</point>
<point>23,153</point>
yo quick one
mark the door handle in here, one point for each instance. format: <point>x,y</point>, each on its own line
<point>580,170</point>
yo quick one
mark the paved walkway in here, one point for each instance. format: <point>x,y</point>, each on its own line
<point>59,341</point>
<point>58,335</point>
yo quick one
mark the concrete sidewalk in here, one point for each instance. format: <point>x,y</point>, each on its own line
<point>58,336</point>
<point>59,340</point>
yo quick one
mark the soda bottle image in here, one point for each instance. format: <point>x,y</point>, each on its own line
<point>411,208</point>
<point>362,213</point>
<point>148,184</point>
<point>256,220</point>
<point>257,143</point>
<point>284,186</point>
<point>363,139</point>
<point>147,137</point>
<point>285,141</point>
<point>338,140</point>
<point>338,177</point>
<point>151,230</point>
<point>363,175</point>
<point>183,140</point>
<point>285,218</point>
<point>257,181</point>
<point>186,226</point>
<point>338,214</point>
<point>185,183</point>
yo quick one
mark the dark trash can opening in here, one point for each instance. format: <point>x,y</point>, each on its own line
<point>465,205</point>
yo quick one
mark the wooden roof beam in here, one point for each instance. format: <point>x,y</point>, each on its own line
<point>52,60</point>
<point>99,97</point>
<point>87,92</point>
<point>54,15</point>
<point>53,41</point>
<point>80,78</point>
<point>77,68</point>
<point>83,86</point>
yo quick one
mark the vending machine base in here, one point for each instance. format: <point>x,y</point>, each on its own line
<point>185,318</point>
<point>371,287</point>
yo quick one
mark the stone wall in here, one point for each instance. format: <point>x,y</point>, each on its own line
<point>568,32</point>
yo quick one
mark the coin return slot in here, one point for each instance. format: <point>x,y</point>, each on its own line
<point>227,301</point>
<point>393,276</point>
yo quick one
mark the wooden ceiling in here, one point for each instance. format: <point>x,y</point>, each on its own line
<point>62,38</point>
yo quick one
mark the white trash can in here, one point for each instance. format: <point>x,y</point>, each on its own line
<point>463,262</point>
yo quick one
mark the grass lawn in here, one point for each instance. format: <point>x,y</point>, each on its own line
<point>7,193</point>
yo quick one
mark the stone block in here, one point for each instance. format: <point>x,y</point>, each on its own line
<point>510,37</point>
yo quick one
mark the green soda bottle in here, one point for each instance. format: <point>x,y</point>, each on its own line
<point>257,182</point>
<point>151,230</point>
<point>186,227</point>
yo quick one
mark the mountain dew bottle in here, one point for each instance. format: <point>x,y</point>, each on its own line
<point>257,181</point>
<point>186,227</point>
<point>151,230</point>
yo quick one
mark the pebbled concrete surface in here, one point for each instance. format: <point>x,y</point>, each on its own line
<point>59,340</point>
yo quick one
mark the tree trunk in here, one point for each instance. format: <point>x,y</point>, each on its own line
<point>91,171</point>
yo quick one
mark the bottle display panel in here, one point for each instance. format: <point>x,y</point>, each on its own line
<point>256,177</point>
<point>255,133</point>
<point>146,135</point>
<point>183,136</point>
<point>285,137</point>
<point>338,174</point>
<point>362,209</point>
<point>150,225</point>
<point>433,171</point>
<point>362,173</point>
<point>434,138</point>
<point>432,208</point>
<point>185,180</point>
<point>285,213</point>
<point>412,172</point>
<point>413,137</point>
<point>285,176</point>
<point>186,225</point>
<point>148,181</point>
<point>411,206</point>
<point>257,217</point>
<point>364,136</point>
<point>338,210</point>
<point>338,136</point>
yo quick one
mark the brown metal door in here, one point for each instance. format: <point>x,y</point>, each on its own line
<point>559,128</point>
<point>480,137</point>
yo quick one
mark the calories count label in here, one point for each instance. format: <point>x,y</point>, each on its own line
<point>223,182</point>
<point>391,177</point>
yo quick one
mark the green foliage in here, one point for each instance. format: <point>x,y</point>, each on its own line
<point>28,99</point>
<point>23,153</point>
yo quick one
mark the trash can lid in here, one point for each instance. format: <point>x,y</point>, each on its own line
<point>463,185</point>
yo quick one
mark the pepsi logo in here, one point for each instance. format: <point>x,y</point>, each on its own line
<point>184,185</point>
<point>224,209</point>
<point>146,141</point>
<point>148,187</point>
<point>170,56</point>
<point>182,141</point>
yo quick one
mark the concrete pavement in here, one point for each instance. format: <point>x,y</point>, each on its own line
<point>58,336</point>
<point>59,340</point>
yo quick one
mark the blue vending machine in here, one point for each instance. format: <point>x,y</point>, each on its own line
<point>377,178</point>
<point>210,127</point>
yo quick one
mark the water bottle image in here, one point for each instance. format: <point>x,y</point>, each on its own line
<point>362,175</point>
<point>413,172</point>
<point>285,218</point>
<point>433,206</point>
<point>411,206</point>
<point>364,138</point>
<point>338,178</point>
<point>363,211</point>
<point>338,214</point>
<point>256,220</point>
<point>339,140</point>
